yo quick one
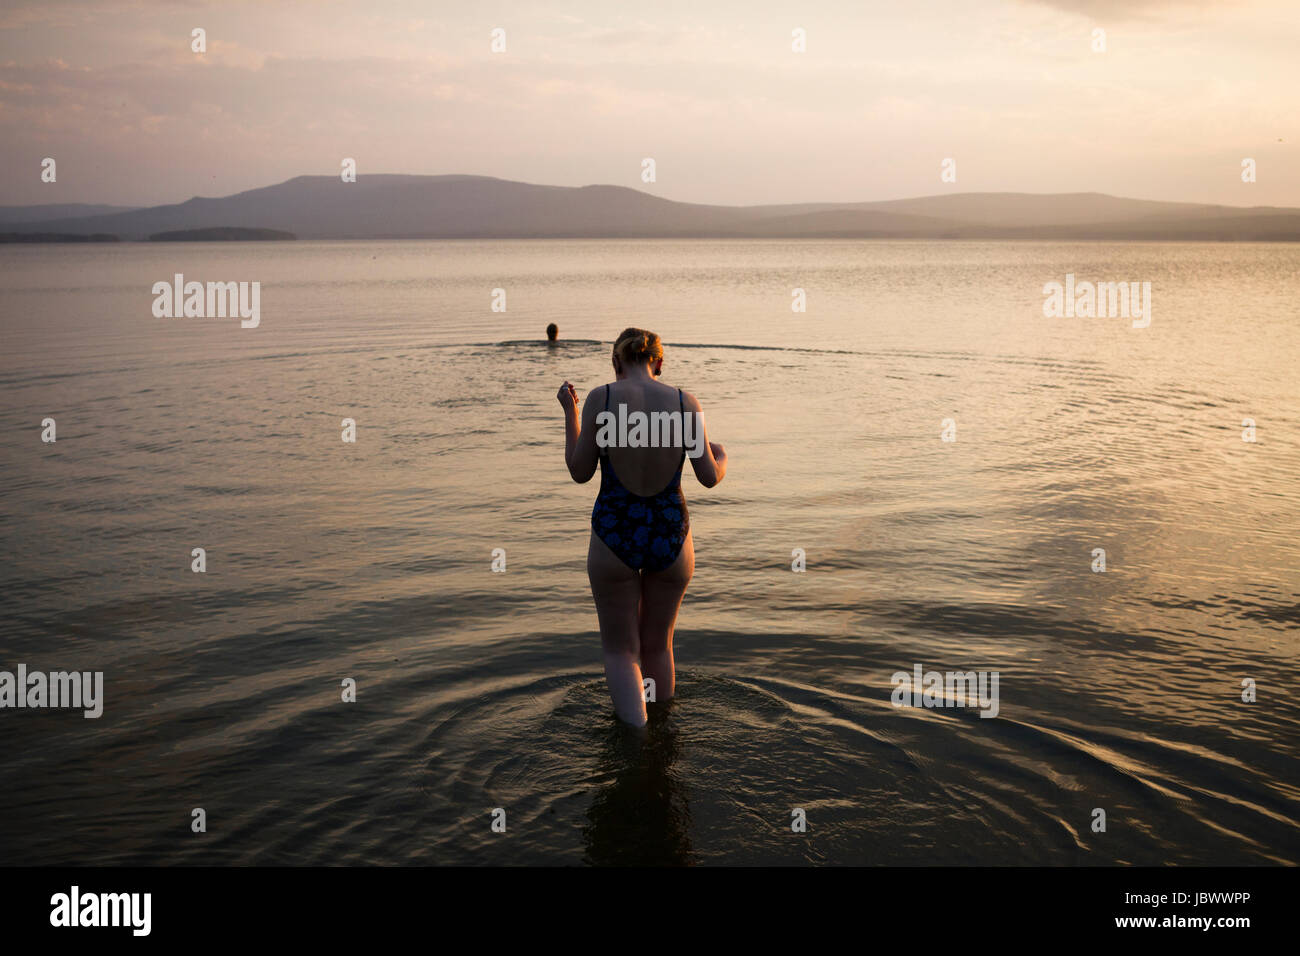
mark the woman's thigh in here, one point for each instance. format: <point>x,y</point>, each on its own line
<point>661,596</point>
<point>616,589</point>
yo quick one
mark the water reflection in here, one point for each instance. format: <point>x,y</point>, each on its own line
<point>641,818</point>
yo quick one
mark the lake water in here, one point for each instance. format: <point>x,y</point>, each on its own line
<point>1119,691</point>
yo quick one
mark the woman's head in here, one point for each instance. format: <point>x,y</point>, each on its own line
<point>638,347</point>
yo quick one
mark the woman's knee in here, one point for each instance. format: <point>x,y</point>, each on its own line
<point>621,644</point>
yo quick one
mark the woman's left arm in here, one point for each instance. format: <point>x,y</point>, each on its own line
<point>580,452</point>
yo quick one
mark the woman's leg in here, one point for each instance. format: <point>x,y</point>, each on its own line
<point>661,596</point>
<point>616,589</point>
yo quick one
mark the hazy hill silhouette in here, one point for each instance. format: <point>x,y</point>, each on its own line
<point>468,207</point>
<point>52,211</point>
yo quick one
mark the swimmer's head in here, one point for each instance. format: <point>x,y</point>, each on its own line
<point>638,347</point>
<point>552,332</point>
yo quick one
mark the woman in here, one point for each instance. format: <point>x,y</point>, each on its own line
<point>641,555</point>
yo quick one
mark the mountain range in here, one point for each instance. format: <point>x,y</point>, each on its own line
<point>481,207</point>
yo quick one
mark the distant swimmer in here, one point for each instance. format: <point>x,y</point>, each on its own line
<point>552,332</point>
<point>640,555</point>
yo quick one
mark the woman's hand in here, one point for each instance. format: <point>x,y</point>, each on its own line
<point>568,397</point>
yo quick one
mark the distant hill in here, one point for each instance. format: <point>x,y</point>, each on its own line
<point>480,207</point>
<point>221,234</point>
<point>55,237</point>
<point>64,210</point>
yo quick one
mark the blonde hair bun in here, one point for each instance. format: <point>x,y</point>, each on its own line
<point>638,346</point>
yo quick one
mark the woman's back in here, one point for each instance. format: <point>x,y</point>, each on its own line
<point>650,414</point>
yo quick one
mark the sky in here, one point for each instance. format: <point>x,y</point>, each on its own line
<point>1011,90</point>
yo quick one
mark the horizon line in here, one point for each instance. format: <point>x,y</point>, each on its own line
<point>806,202</point>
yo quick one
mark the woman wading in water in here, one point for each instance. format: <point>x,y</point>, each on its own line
<point>640,557</point>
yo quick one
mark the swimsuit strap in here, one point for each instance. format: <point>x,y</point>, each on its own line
<point>682,409</point>
<point>604,453</point>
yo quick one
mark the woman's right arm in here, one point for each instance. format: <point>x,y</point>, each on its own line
<point>580,451</point>
<point>711,464</point>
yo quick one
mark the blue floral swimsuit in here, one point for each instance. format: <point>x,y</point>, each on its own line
<point>647,533</point>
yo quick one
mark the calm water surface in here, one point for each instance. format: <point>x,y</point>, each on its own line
<point>1118,690</point>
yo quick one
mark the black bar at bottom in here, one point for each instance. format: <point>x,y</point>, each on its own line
<point>335,904</point>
